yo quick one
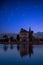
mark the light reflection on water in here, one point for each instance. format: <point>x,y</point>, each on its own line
<point>21,54</point>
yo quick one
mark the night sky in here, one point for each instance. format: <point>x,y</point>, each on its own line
<point>17,14</point>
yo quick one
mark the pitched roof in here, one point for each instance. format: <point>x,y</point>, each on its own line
<point>23,30</point>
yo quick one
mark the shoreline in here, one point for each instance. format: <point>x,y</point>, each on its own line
<point>32,43</point>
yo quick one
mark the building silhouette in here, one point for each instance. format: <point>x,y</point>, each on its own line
<point>26,35</point>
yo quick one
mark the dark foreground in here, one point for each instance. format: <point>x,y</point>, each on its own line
<point>18,42</point>
<point>21,54</point>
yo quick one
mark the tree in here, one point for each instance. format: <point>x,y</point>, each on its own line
<point>11,39</point>
<point>5,38</point>
<point>18,38</point>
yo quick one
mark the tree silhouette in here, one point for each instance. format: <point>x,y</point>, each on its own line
<point>5,38</point>
<point>11,39</point>
<point>18,38</point>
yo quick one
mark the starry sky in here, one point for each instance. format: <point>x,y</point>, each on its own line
<point>17,14</point>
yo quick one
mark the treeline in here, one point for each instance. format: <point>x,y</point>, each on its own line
<point>11,39</point>
<point>5,38</point>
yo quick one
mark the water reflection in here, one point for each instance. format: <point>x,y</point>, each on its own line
<point>5,47</point>
<point>21,54</point>
<point>11,46</point>
<point>30,50</point>
<point>25,49</point>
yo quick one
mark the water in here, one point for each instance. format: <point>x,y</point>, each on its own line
<point>21,54</point>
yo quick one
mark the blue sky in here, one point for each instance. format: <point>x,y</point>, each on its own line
<point>17,14</point>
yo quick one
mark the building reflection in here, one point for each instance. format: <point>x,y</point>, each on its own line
<point>25,49</point>
<point>30,50</point>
